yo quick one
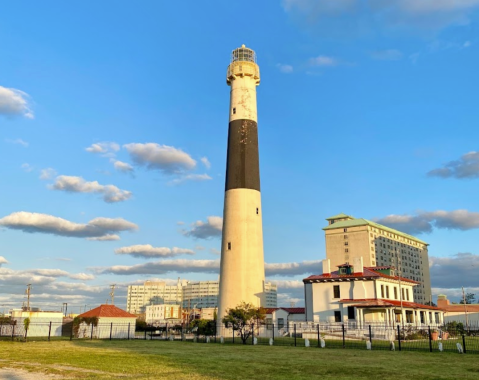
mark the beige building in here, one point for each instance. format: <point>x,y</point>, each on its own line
<point>159,314</point>
<point>348,238</point>
<point>188,294</point>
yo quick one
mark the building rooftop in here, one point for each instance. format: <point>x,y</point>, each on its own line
<point>290,310</point>
<point>339,216</point>
<point>365,222</point>
<point>107,311</point>
<point>368,273</point>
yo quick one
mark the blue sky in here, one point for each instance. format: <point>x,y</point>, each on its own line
<point>119,111</point>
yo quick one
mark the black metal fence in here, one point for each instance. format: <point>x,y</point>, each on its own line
<point>452,337</point>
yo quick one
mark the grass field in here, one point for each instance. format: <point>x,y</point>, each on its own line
<point>179,360</point>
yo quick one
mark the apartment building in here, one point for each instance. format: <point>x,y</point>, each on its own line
<point>348,238</point>
<point>188,294</point>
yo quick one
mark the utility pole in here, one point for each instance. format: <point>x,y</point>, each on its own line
<point>65,304</point>
<point>112,293</point>
<point>29,288</point>
<point>465,306</point>
<point>400,290</point>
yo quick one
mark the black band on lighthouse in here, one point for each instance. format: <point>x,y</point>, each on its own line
<point>242,167</point>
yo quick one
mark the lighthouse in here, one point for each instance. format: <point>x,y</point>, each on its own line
<point>242,258</point>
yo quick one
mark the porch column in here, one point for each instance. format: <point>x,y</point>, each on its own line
<point>403,316</point>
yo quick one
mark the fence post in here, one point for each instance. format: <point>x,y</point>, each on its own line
<point>128,331</point>
<point>430,338</point>
<point>13,331</point>
<point>399,337</point>
<point>145,333</point>
<point>1,329</point>
<point>344,336</point>
<point>111,328</point>
<point>91,333</point>
<point>295,335</point>
<point>319,337</point>
<point>273,332</point>
<point>233,329</point>
<point>49,330</point>
<point>463,343</point>
<point>71,332</point>
<point>252,334</point>
<point>370,335</point>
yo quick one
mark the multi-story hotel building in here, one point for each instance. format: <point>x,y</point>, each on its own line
<point>378,245</point>
<point>199,295</point>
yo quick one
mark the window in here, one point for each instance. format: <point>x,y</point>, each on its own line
<point>280,323</point>
<point>345,236</point>
<point>337,293</point>
<point>351,314</point>
<point>387,291</point>
<point>234,111</point>
<point>407,294</point>
<point>346,250</point>
<point>257,211</point>
<point>229,246</point>
<point>402,293</point>
<point>346,243</point>
<point>382,291</point>
<point>395,293</point>
<point>345,230</point>
<point>337,316</point>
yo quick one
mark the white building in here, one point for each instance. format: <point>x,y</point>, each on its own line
<point>161,314</point>
<point>111,322</point>
<point>365,296</point>
<point>188,294</point>
<point>39,322</point>
<point>468,314</point>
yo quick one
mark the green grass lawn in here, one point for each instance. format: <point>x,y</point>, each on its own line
<point>183,360</point>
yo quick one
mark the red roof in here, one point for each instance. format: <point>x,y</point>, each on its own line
<point>107,311</point>
<point>373,302</point>
<point>368,273</point>
<point>290,310</point>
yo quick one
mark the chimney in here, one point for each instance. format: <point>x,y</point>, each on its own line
<point>358,265</point>
<point>442,300</point>
<point>326,266</point>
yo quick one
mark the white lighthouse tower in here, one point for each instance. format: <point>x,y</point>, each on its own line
<point>242,259</point>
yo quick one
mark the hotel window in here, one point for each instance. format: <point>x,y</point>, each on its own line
<point>387,291</point>
<point>346,243</point>
<point>346,250</point>
<point>336,291</point>
<point>345,230</point>
<point>395,293</point>
<point>345,236</point>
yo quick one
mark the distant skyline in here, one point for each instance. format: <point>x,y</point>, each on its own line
<point>113,128</point>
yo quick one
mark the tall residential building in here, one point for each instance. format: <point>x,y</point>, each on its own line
<point>242,259</point>
<point>198,294</point>
<point>378,245</point>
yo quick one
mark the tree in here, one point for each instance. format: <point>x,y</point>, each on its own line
<point>242,318</point>
<point>203,326</point>
<point>469,298</point>
<point>26,324</point>
<point>430,303</point>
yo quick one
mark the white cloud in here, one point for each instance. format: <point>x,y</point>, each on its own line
<point>208,266</point>
<point>215,251</point>
<point>14,102</point>
<point>466,167</point>
<point>27,167</point>
<point>105,148</point>
<point>123,166</point>
<point>104,238</point>
<point>190,177</point>
<point>454,271</point>
<point>293,269</point>
<point>285,69</point>
<point>47,173</point>
<point>387,55</point>
<point>18,142</point>
<point>148,251</point>
<point>111,193</point>
<point>425,221</point>
<point>166,159</point>
<point>43,223</point>
<point>206,230</point>
<point>82,276</point>
<point>368,15</point>
<point>323,61</point>
<point>3,260</point>
<point>205,162</point>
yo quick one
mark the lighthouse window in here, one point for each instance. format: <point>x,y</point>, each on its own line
<point>257,211</point>
<point>234,111</point>
<point>229,245</point>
